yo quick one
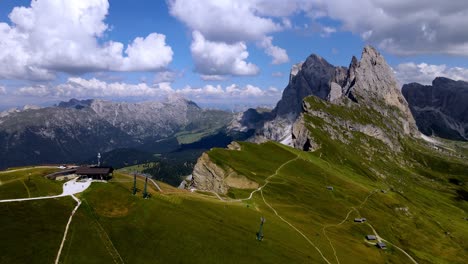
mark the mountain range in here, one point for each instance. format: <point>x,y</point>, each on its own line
<point>440,109</point>
<point>76,130</point>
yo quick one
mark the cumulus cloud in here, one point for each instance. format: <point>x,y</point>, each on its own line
<point>425,73</point>
<point>224,21</point>
<point>399,27</point>
<point>219,58</point>
<point>277,74</point>
<point>278,54</point>
<point>167,76</point>
<point>327,31</point>
<point>232,24</point>
<point>403,27</point>
<point>77,87</point>
<point>66,36</point>
<point>213,77</point>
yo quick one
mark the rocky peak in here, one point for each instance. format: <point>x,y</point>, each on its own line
<point>371,82</point>
<point>309,78</point>
<point>75,103</point>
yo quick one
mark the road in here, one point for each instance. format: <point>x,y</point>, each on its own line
<point>69,188</point>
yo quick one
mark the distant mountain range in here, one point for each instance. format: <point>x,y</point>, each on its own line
<point>76,130</point>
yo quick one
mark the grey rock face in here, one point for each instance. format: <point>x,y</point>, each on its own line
<point>208,176</point>
<point>367,84</point>
<point>369,81</point>
<point>440,109</point>
<point>312,78</point>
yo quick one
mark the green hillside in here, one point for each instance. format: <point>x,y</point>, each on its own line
<point>306,222</point>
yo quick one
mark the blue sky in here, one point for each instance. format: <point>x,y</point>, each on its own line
<point>56,50</point>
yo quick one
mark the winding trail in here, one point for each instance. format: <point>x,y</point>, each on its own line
<point>353,209</point>
<point>66,228</point>
<point>295,228</point>
<point>259,188</point>
<point>70,188</point>
<point>379,238</point>
<point>27,189</point>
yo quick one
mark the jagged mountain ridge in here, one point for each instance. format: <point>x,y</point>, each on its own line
<point>75,130</point>
<point>369,82</point>
<point>336,102</point>
<point>440,109</point>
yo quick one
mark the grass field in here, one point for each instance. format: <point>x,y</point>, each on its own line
<point>28,182</point>
<point>415,208</point>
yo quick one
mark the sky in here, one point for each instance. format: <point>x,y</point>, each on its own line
<point>219,53</point>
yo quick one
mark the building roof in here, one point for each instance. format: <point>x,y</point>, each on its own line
<point>94,170</point>
<point>381,245</point>
<point>371,237</point>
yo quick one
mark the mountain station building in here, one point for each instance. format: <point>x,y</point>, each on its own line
<point>96,173</point>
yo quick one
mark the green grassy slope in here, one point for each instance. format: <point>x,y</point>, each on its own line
<point>420,210</point>
<point>28,182</point>
<point>31,231</point>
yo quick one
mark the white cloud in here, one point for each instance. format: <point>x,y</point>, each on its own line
<point>277,74</point>
<point>77,87</point>
<point>278,54</point>
<point>66,36</point>
<point>219,58</point>
<point>425,73</point>
<point>2,90</point>
<point>327,31</point>
<point>213,77</point>
<point>167,76</point>
<point>399,27</point>
<point>404,27</point>
<point>224,21</point>
<point>230,23</point>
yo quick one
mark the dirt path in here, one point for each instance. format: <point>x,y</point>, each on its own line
<point>353,209</point>
<point>69,188</point>
<point>295,228</point>
<point>259,188</point>
<point>107,242</point>
<point>379,238</point>
<point>66,228</point>
<point>27,189</point>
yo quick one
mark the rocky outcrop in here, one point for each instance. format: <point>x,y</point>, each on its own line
<point>440,109</point>
<point>208,176</point>
<point>301,138</point>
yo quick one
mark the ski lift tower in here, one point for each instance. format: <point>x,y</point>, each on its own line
<point>145,192</point>
<point>134,184</point>
<point>99,159</point>
<point>260,231</point>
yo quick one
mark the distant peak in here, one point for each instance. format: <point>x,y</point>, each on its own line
<point>370,51</point>
<point>75,103</point>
